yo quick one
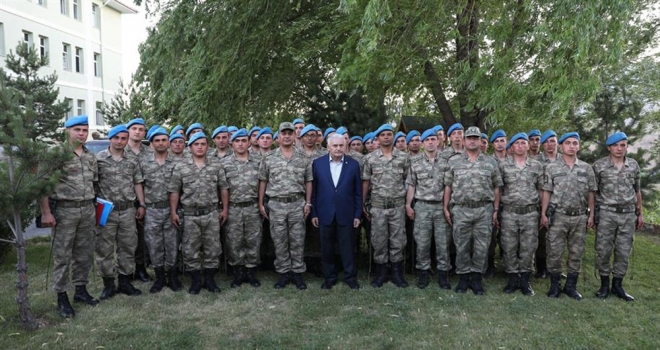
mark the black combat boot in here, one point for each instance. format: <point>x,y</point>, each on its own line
<point>397,275</point>
<point>209,281</point>
<point>381,276</point>
<point>160,280</point>
<point>541,268</point>
<point>285,278</point>
<point>238,277</point>
<point>64,307</point>
<point>141,274</point>
<point>555,285</point>
<point>298,281</point>
<point>109,289</point>
<point>475,283</point>
<point>463,283</point>
<point>125,286</point>
<point>525,286</point>
<point>249,277</point>
<point>443,279</point>
<point>513,283</point>
<point>173,282</point>
<point>195,282</point>
<point>82,296</point>
<point>617,289</point>
<point>490,269</point>
<point>423,280</point>
<point>604,290</point>
<point>570,288</point>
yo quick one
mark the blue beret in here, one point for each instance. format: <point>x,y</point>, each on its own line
<point>497,134</point>
<point>306,129</point>
<point>546,135</point>
<point>399,134</point>
<point>138,121</point>
<point>328,131</point>
<point>193,127</point>
<point>265,131</point>
<point>275,135</point>
<point>368,136</point>
<point>77,120</point>
<point>218,130</point>
<point>341,130</point>
<point>384,127</point>
<point>616,137</point>
<point>232,128</point>
<point>355,138</point>
<point>412,134</point>
<point>196,136</point>
<point>175,129</point>
<point>175,136</point>
<point>151,130</point>
<point>535,132</point>
<point>298,121</point>
<point>518,136</point>
<point>317,128</point>
<point>438,128</point>
<point>158,131</point>
<point>457,126</point>
<point>116,130</point>
<point>239,133</point>
<point>484,136</point>
<point>254,129</point>
<point>567,135</point>
<point>427,133</point>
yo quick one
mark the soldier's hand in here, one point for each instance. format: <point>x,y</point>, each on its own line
<point>315,222</point>
<point>224,214</point>
<point>590,222</point>
<point>48,220</point>
<point>410,212</point>
<point>175,220</point>
<point>544,221</point>
<point>640,222</point>
<point>262,209</point>
<point>448,217</point>
<point>306,210</point>
<point>496,222</point>
<point>365,213</point>
<point>139,214</point>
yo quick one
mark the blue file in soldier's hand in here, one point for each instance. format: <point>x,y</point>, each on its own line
<point>103,209</point>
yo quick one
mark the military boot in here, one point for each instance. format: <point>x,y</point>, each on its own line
<point>604,290</point>
<point>238,277</point>
<point>555,285</point>
<point>173,279</point>
<point>63,306</point>
<point>125,286</point>
<point>541,268</point>
<point>195,282</point>
<point>109,289</point>
<point>443,280</point>
<point>463,283</point>
<point>209,281</point>
<point>617,289</point>
<point>160,280</point>
<point>397,275</point>
<point>298,281</point>
<point>423,280</point>
<point>141,273</point>
<point>525,286</point>
<point>249,277</point>
<point>83,296</point>
<point>285,278</point>
<point>513,283</point>
<point>570,288</point>
<point>475,283</point>
<point>381,276</point>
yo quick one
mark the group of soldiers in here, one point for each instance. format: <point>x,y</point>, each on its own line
<point>176,195</point>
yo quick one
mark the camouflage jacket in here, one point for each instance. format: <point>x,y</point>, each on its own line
<point>428,177</point>
<point>617,187</point>
<point>157,177</point>
<point>241,178</point>
<point>78,177</point>
<point>387,177</point>
<point>197,188</point>
<point>569,187</point>
<point>521,186</point>
<point>285,177</point>
<point>117,178</point>
<point>472,182</point>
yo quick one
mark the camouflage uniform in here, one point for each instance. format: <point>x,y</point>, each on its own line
<point>198,190</point>
<point>543,231</point>
<point>520,213</point>
<point>73,235</point>
<point>286,179</point>
<point>472,197</point>
<point>116,184</point>
<point>570,189</point>
<point>161,236</point>
<point>617,197</point>
<point>140,251</point>
<point>244,220</point>
<point>388,192</point>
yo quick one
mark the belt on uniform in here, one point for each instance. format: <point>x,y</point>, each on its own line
<point>286,199</point>
<point>473,205</point>
<point>521,210</point>
<point>572,212</point>
<point>429,202</point>
<point>623,209</point>
<point>158,205</point>
<point>73,204</point>
<point>199,211</point>
<point>242,204</point>
<point>123,205</point>
<point>387,203</point>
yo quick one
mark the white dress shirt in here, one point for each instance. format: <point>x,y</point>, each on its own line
<point>335,169</point>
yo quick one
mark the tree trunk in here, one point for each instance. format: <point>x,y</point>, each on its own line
<point>439,94</point>
<point>467,55</point>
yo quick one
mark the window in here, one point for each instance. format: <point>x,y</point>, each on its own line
<point>99,114</point>
<point>41,2</point>
<point>96,16</point>
<point>64,7</point>
<point>80,107</point>
<point>27,38</point>
<point>2,39</point>
<point>69,111</point>
<point>76,10</point>
<point>79,60</point>
<point>97,64</point>
<point>43,46</point>
<point>66,57</point>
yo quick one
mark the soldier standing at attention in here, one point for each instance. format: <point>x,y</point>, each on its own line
<point>414,143</point>
<point>196,183</point>
<point>440,133</point>
<point>619,207</point>
<point>177,145</point>
<point>498,139</point>
<point>534,142</point>
<point>265,138</point>
<point>285,176</point>
<point>239,203</point>
<point>400,141</point>
<point>384,172</point>
<point>254,141</point>
<point>568,192</point>
<point>356,144</point>
<point>455,135</point>
<point>520,197</point>
<point>308,145</point>
<point>120,182</point>
<point>220,137</point>
<point>549,155</point>
<point>484,143</point>
<point>471,202</point>
<point>72,219</point>
<point>299,125</point>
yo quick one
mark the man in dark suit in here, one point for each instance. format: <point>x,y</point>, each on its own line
<point>337,209</point>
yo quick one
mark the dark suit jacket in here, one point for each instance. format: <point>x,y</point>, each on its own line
<point>344,202</point>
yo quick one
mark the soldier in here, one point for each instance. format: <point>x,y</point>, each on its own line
<point>72,219</point>
<point>161,237</point>
<point>498,139</point>
<point>308,145</point>
<point>220,137</point>
<point>275,140</point>
<point>549,143</point>
<point>471,202</point>
<point>567,209</point>
<point>400,141</point>
<point>178,129</point>
<point>193,129</point>
<point>265,138</point>
<point>484,143</point>
<point>520,196</point>
<point>440,133</point>
<point>426,186</point>
<point>196,184</point>
<point>619,210</point>
<point>455,135</point>
<point>384,172</point>
<point>239,203</point>
<point>120,182</point>
<point>254,141</point>
<point>285,176</point>
<point>534,142</point>
<point>549,155</point>
<point>232,129</point>
<point>177,145</point>
<point>414,143</point>
<point>299,125</point>
<point>356,144</point>
<point>368,142</point>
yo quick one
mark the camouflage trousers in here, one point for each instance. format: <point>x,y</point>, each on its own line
<point>388,234</point>
<point>287,227</point>
<point>161,237</point>
<point>243,241</point>
<point>201,235</point>
<point>119,236</point>
<point>430,223</point>
<point>519,240</point>
<point>566,230</point>
<point>472,232</point>
<point>616,232</point>
<point>73,246</point>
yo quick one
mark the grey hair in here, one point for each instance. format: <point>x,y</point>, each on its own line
<point>335,136</point>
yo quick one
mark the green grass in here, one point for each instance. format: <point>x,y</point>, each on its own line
<point>386,318</point>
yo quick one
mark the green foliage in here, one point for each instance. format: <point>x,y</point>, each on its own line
<point>130,101</point>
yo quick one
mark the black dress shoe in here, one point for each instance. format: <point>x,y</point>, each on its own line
<point>353,285</point>
<point>327,285</point>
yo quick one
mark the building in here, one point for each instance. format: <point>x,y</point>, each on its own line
<point>83,41</point>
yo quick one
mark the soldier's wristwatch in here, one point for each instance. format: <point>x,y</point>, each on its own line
<point>142,205</point>
<point>308,204</point>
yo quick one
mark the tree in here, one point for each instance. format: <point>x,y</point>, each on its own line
<point>35,92</point>
<point>130,101</point>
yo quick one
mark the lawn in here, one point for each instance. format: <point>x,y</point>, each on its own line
<point>386,318</point>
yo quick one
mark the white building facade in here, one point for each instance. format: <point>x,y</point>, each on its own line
<point>83,41</point>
